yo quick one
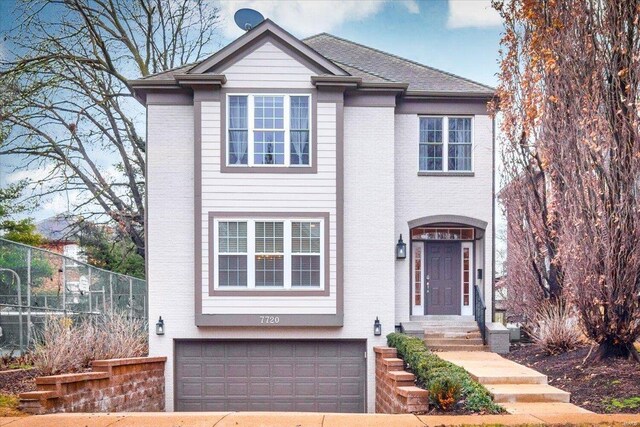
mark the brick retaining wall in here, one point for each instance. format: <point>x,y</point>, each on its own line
<point>396,392</point>
<point>116,385</point>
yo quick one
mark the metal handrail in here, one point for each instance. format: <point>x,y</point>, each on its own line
<point>479,312</point>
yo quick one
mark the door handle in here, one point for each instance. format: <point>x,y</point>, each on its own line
<point>427,284</point>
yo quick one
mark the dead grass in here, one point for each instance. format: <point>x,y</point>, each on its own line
<point>67,346</point>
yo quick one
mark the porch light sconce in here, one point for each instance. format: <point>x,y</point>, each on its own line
<point>479,274</point>
<point>401,249</point>
<point>160,326</point>
<point>377,327</point>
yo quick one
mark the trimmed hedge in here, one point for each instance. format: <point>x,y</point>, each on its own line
<point>429,369</point>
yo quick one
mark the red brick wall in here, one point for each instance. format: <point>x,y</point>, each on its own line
<point>116,385</point>
<point>396,392</point>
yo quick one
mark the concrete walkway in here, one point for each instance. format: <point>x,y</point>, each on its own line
<point>520,390</point>
<point>269,419</point>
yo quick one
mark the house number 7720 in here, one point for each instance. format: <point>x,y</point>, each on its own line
<point>269,320</point>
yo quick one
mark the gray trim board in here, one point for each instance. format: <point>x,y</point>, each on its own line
<point>369,99</point>
<point>326,291</point>
<point>176,97</point>
<point>442,106</point>
<point>450,219</point>
<point>313,138</point>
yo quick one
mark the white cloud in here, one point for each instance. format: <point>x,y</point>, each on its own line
<point>411,5</point>
<point>304,17</point>
<point>472,13</point>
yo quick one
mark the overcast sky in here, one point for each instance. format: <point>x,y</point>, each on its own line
<point>458,36</point>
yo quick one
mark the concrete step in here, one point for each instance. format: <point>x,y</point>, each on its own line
<point>545,408</point>
<point>510,378</point>
<point>451,335</point>
<point>458,347</point>
<point>436,318</point>
<point>432,342</point>
<point>503,393</point>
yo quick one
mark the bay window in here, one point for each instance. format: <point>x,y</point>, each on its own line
<point>268,253</point>
<point>445,144</point>
<point>268,130</point>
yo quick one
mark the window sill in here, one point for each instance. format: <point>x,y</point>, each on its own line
<point>435,173</point>
<point>269,291</point>
<point>269,169</point>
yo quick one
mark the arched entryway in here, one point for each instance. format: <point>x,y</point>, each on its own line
<point>447,260</point>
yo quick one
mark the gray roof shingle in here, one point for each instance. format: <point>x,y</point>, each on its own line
<point>374,66</point>
<point>391,67</point>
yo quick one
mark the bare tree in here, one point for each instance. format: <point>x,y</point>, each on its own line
<point>73,111</point>
<point>529,197</point>
<point>585,63</point>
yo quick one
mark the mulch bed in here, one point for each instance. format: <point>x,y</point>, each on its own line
<point>18,381</point>
<point>592,384</point>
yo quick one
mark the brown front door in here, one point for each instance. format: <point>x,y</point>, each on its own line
<point>442,278</point>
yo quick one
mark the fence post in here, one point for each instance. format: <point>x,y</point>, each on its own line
<point>64,286</point>
<point>29,296</point>
<point>90,298</point>
<point>130,298</point>
<point>21,340</point>
<point>111,293</point>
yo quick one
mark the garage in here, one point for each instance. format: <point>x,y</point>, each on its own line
<point>305,376</point>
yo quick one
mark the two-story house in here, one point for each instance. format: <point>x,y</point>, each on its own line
<point>281,175</point>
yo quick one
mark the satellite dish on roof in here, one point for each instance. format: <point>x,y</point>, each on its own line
<point>247,18</point>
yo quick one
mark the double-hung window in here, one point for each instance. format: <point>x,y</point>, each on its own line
<point>269,253</point>
<point>269,130</point>
<point>232,250</point>
<point>446,144</point>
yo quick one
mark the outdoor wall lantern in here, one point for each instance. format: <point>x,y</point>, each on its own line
<point>160,326</point>
<point>377,327</point>
<point>401,249</point>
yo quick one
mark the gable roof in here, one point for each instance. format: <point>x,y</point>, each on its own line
<point>335,56</point>
<point>387,66</point>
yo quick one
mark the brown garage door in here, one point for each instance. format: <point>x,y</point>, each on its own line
<point>316,376</point>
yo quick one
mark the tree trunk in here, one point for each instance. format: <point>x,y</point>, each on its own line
<point>611,348</point>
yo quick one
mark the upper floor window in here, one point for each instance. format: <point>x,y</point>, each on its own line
<point>269,130</point>
<point>445,144</point>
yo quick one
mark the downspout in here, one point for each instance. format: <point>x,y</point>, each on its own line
<point>493,219</point>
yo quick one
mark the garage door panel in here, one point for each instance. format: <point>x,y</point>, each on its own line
<point>261,370</point>
<point>305,370</point>
<point>213,370</point>
<point>282,370</point>
<point>270,376</point>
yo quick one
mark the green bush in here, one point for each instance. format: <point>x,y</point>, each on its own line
<point>434,372</point>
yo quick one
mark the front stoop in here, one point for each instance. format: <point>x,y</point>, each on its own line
<point>519,389</point>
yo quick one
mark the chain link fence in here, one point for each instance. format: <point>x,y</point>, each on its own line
<point>36,283</point>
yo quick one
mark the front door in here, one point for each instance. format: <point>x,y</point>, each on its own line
<point>442,278</point>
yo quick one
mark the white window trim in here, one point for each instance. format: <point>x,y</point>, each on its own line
<point>445,144</point>
<point>251,254</point>
<point>251,129</point>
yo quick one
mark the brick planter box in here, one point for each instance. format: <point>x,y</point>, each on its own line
<point>396,392</point>
<point>116,385</point>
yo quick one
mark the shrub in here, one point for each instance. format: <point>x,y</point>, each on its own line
<point>557,331</point>
<point>432,371</point>
<point>444,392</point>
<point>65,345</point>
